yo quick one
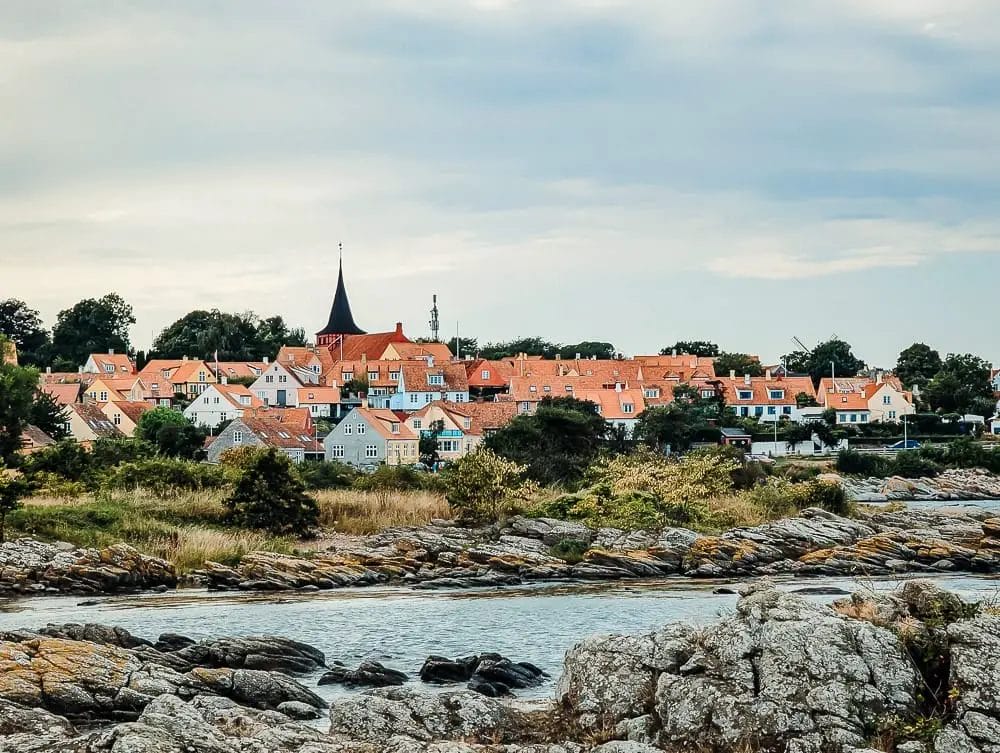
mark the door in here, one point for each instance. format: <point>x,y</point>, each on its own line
<point>281,398</point>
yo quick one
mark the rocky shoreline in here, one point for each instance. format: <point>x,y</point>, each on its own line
<point>952,485</point>
<point>909,672</point>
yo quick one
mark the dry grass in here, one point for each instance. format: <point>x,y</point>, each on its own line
<point>736,511</point>
<point>189,547</point>
<point>357,512</point>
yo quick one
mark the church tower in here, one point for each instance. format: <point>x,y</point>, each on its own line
<point>341,320</point>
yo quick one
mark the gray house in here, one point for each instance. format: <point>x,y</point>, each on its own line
<point>254,432</point>
<point>371,436</point>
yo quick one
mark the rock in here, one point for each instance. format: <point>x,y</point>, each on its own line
<point>381,714</point>
<point>168,642</point>
<point>491,674</point>
<point>441,670</point>
<point>266,652</point>
<point>263,690</point>
<point>550,530</point>
<point>725,590</point>
<point>821,591</point>
<point>370,674</point>
<point>30,566</point>
<point>298,710</point>
<point>496,669</point>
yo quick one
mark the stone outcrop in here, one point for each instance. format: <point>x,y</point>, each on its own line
<point>489,674</point>
<point>952,485</point>
<point>28,566</point>
<point>369,674</point>
<point>779,675</point>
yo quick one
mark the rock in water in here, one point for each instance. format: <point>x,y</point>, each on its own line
<point>441,670</point>
<point>490,674</point>
<point>369,674</point>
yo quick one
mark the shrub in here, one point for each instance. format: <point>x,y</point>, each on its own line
<point>569,550</point>
<point>67,459</point>
<point>913,464</point>
<point>108,453</point>
<point>12,490</point>
<point>326,474</point>
<point>483,486</point>
<point>270,496</point>
<point>164,476</point>
<point>863,464</point>
<point>52,485</point>
<point>398,478</point>
<point>827,495</point>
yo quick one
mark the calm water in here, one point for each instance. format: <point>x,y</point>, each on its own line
<point>400,628</point>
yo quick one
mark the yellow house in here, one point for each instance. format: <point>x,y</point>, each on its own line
<point>454,437</point>
<point>86,423</point>
<point>124,415</point>
<point>887,403</point>
<point>104,390</point>
<point>184,376</point>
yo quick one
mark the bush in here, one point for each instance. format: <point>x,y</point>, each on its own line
<point>66,459</point>
<point>913,464</point>
<point>569,550</point>
<point>482,486</point>
<point>270,496</point>
<point>164,476</point>
<point>326,474</point>
<point>828,495</point>
<point>864,464</point>
<point>398,478</point>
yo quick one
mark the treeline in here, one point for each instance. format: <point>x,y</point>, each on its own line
<point>98,325</point>
<point>925,461</point>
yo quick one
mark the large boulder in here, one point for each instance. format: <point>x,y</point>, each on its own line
<point>975,683</point>
<point>369,674</point>
<point>780,672</point>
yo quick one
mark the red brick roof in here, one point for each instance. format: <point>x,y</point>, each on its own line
<point>760,388</point>
<point>63,394</point>
<point>371,345</point>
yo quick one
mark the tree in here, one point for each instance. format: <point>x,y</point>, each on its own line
<point>805,400</point>
<point>272,333</point>
<point>823,359</point>
<point>270,496</point>
<point>18,385</point>
<point>532,346</point>
<point>92,326</point>
<point>740,363</point>
<point>557,443</point>
<point>171,433</point>
<point>485,487</point>
<point>795,434</point>
<point>48,415</point>
<point>12,490</point>
<point>692,348</point>
<point>677,424</point>
<point>588,349</point>
<point>201,334</point>
<point>962,383</point>
<point>917,365</point>
<point>428,446</point>
<point>23,326</point>
<point>469,346</point>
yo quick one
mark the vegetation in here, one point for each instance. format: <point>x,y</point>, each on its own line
<point>556,444</point>
<point>235,337</point>
<point>536,346</point>
<point>12,491</point>
<point>91,326</point>
<point>23,326</point>
<point>962,385</point>
<point>357,512</point>
<point>917,365</point>
<point>172,433</point>
<point>483,486</point>
<point>827,358</point>
<point>270,496</point>
<point>18,387</point>
<point>926,461</point>
<point>676,425</point>
<point>701,348</point>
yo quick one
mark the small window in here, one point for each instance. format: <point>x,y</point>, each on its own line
<point>746,395</point>
<point>103,398</point>
<point>110,368</point>
<point>201,376</point>
<point>416,423</point>
<point>394,426</point>
<point>371,451</point>
<point>776,394</point>
<point>435,379</point>
<point>372,376</point>
<point>887,400</point>
<point>532,388</point>
<point>771,410</point>
<point>347,376</point>
<point>787,410</point>
<point>337,451</point>
<point>348,428</point>
<point>394,376</point>
<point>627,407</point>
<point>486,374</point>
<point>156,387</point>
<point>707,394</point>
<point>282,378</point>
<point>413,397</point>
<point>361,428</point>
<point>651,393</point>
<point>569,387</point>
<point>546,388</point>
<point>223,416</point>
<point>118,418</point>
<point>892,414</point>
<point>237,437</point>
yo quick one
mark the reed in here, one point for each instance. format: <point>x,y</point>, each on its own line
<point>364,512</point>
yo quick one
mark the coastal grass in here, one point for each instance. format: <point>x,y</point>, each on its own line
<point>356,512</point>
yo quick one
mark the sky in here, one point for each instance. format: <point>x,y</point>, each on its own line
<point>632,171</point>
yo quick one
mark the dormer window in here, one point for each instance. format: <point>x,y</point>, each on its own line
<point>746,394</point>
<point>347,376</point>
<point>394,376</point>
<point>628,407</point>
<point>372,376</point>
<point>486,373</point>
<point>569,387</point>
<point>435,379</point>
<point>109,368</point>
<point>546,388</point>
<point>245,399</point>
<point>776,394</point>
<point>467,422</point>
<point>395,427</point>
<point>651,393</point>
<point>532,388</point>
<point>707,394</point>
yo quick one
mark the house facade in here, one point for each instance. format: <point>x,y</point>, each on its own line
<point>289,431</point>
<point>860,400</point>
<point>125,414</point>
<point>423,383</point>
<point>766,398</point>
<point>368,437</point>
<point>279,385</point>
<point>87,423</point>
<point>110,364</point>
<point>168,377</point>
<point>220,403</point>
<point>321,402</point>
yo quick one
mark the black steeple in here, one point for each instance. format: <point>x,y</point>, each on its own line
<point>341,319</point>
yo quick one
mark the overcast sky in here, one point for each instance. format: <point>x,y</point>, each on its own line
<point>631,171</point>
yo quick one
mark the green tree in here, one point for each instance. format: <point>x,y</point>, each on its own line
<point>805,400</point>
<point>428,446</point>
<point>485,487</point>
<point>676,425</point>
<point>557,443</point>
<point>270,496</point>
<point>23,326</point>
<point>741,363</point>
<point>469,346</point>
<point>18,385</point>
<point>532,346</point>
<point>588,349</point>
<point>962,384</point>
<point>48,415</point>
<point>823,359</point>
<point>201,333</point>
<point>171,433</point>
<point>92,326</point>
<point>917,365</point>
<point>12,491</point>
<point>692,348</point>
<point>272,333</point>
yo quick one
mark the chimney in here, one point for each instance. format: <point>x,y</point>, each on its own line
<point>79,369</point>
<point>732,374</point>
<point>558,356</point>
<point>673,352</point>
<point>430,360</point>
<point>267,360</point>
<point>399,328</point>
<point>618,386</point>
<point>746,379</point>
<point>48,369</point>
<point>879,377</point>
<point>184,358</point>
<point>111,351</point>
<point>577,356</point>
<point>767,374</point>
<point>364,399</point>
<point>225,379</point>
<point>364,364</point>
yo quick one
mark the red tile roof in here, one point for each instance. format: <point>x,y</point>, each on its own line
<point>500,373</point>
<point>133,410</point>
<point>760,389</point>
<point>382,422</point>
<point>63,394</point>
<point>120,363</point>
<point>284,436</point>
<point>371,345</point>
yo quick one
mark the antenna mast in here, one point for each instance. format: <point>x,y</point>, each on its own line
<point>435,322</point>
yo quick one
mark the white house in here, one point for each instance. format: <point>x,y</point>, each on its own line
<point>322,402</point>
<point>220,403</point>
<point>423,383</point>
<point>279,384</point>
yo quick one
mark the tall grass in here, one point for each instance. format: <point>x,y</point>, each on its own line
<point>357,512</point>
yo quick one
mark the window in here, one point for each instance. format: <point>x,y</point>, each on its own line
<point>337,451</point>
<point>886,399</point>
<point>118,418</point>
<point>707,394</point>
<point>486,374</point>
<point>854,418</point>
<point>371,451</point>
<point>282,378</point>
<point>787,410</point>
<point>892,414</point>
<point>348,429</point>
<point>449,445</point>
<point>361,428</point>
<point>237,437</point>
<point>435,379</point>
<point>110,368</point>
<point>744,411</point>
<point>244,400</point>
<point>315,368</point>
<point>372,376</point>
<point>314,409</point>
<point>758,410</point>
<point>156,387</point>
<point>776,394</point>
<point>746,395</point>
<point>223,416</point>
<point>651,393</point>
<point>627,407</point>
<point>864,418</point>
<point>215,400</point>
<point>103,398</point>
<point>417,423</point>
<point>347,376</point>
<point>467,422</point>
<point>569,387</point>
<point>393,427</point>
<point>771,410</point>
<point>414,397</point>
<point>546,388</point>
<point>269,379</point>
<point>201,376</point>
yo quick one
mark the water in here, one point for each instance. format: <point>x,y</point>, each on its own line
<point>990,505</point>
<point>401,627</point>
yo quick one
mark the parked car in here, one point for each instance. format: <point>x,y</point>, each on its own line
<point>907,444</point>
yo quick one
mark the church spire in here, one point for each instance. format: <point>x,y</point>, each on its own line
<point>341,320</point>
